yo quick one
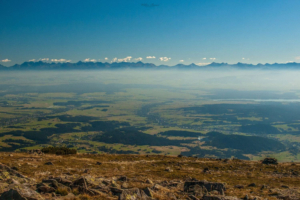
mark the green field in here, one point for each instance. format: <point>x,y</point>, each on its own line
<point>80,110</point>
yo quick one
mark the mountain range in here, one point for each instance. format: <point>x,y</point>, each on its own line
<point>140,65</point>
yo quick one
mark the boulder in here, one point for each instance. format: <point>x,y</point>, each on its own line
<point>210,186</point>
<point>133,194</point>
<point>12,195</point>
<point>63,181</point>
<point>216,197</point>
<point>148,192</point>
<point>46,189</point>
<point>20,192</point>
<point>80,182</point>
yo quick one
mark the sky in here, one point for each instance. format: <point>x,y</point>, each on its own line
<point>174,31</point>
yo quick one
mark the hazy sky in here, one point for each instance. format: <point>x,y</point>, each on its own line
<point>176,31</point>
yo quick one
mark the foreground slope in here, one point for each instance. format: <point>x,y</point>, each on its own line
<point>106,176</point>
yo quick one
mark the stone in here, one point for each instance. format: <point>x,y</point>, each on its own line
<point>171,196</point>
<point>46,189</point>
<point>114,184</point>
<point>205,170</point>
<point>192,197</point>
<point>123,178</point>
<point>214,192</point>
<point>252,185</point>
<point>63,181</point>
<point>197,190</point>
<point>239,186</point>
<point>157,187</point>
<point>133,194</point>
<point>116,191</point>
<point>168,169</point>
<point>215,197</point>
<point>80,182</point>
<point>98,163</point>
<point>12,195</point>
<point>124,186</point>
<point>264,187</point>
<point>148,192</point>
<point>20,192</point>
<point>15,168</point>
<point>49,163</point>
<point>91,192</point>
<point>210,186</point>
<point>149,181</point>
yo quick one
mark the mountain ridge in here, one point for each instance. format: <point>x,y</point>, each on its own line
<point>40,65</point>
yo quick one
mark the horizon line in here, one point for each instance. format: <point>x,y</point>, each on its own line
<point>110,63</point>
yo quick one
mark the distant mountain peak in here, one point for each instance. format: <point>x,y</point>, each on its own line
<point>40,65</point>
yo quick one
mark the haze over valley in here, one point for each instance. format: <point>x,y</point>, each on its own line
<point>247,114</point>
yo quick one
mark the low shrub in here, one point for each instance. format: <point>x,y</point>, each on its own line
<point>59,150</point>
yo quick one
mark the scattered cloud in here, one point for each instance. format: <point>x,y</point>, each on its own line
<point>181,60</point>
<point>202,64</point>
<point>128,58</point>
<point>105,58</point>
<point>89,60</point>
<point>41,59</point>
<point>164,59</point>
<point>213,59</point>
<point>297,58</point>
<point>204,58</point>
<point>44,59</point>
<point>60,60</point>
<point>6,60</point>
<point>139,59</point>
<point>150,57</point>
<point>245,58</point>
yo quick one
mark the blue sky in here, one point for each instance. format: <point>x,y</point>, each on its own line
<point>186,31</point>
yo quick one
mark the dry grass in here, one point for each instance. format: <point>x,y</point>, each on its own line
<point>138,168</point>
<point>62,191</point>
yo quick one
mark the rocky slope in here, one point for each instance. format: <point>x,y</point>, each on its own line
<point>37,176</point>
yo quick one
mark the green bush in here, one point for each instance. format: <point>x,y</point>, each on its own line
<point>59,150</point>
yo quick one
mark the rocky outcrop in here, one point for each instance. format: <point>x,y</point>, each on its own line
<point>206,186</point>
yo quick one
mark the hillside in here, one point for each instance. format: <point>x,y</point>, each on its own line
<point>107,176</point>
